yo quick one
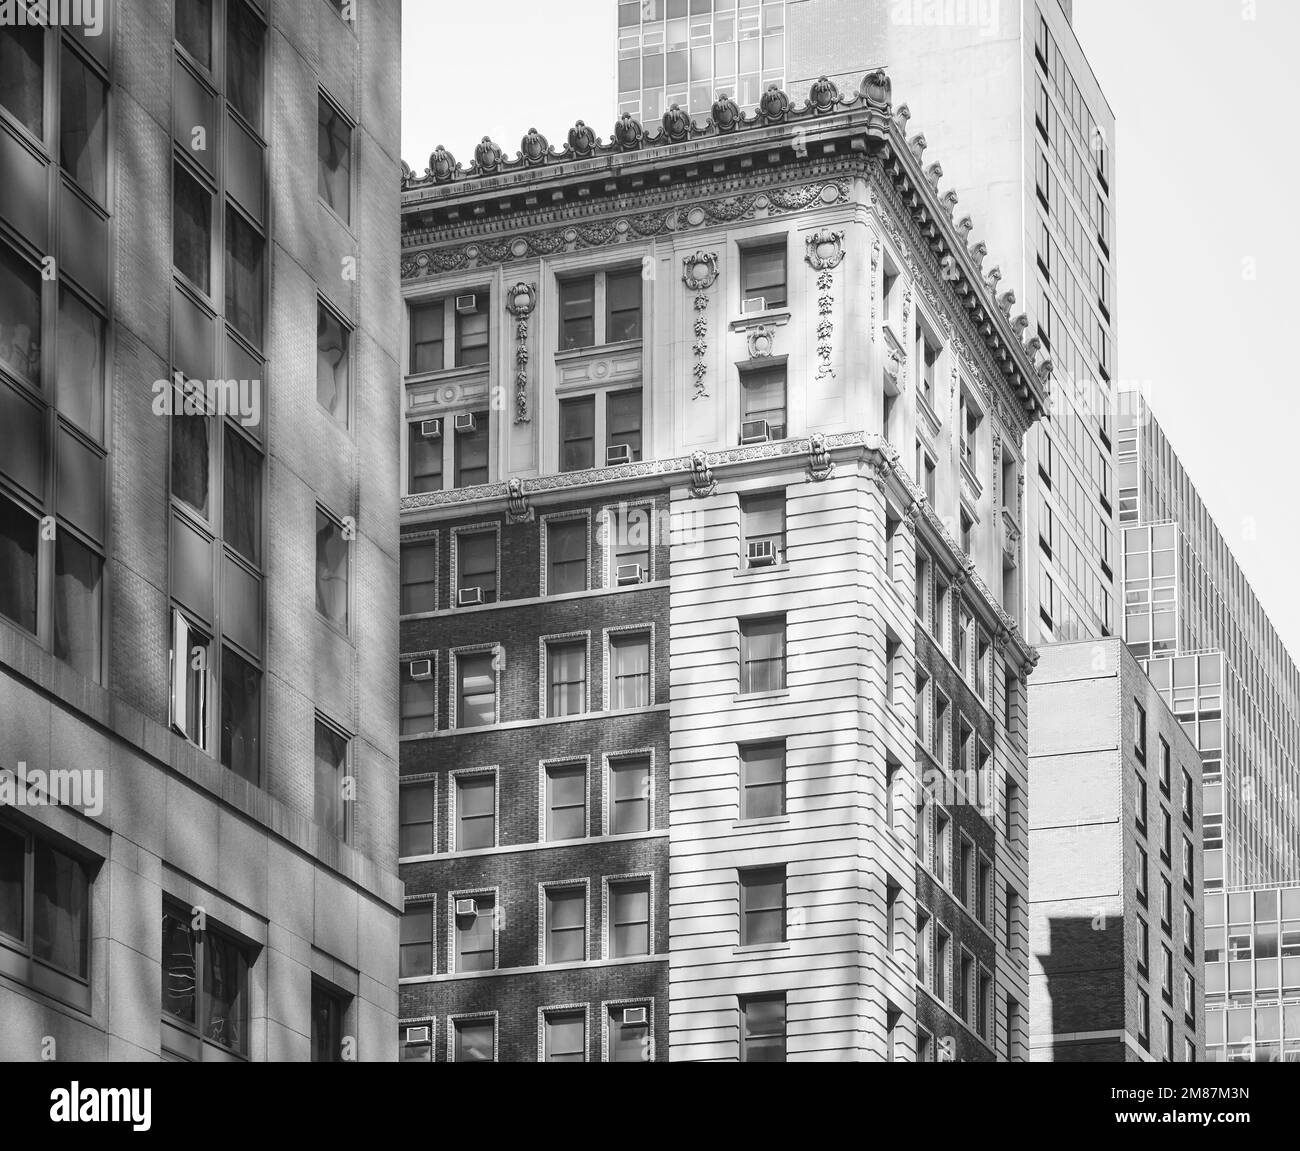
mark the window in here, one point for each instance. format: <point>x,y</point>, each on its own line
<point>1164,765</point>
<point>629,931</point>
<point>204,984</point>
<point>22,52</point>
<point>629,1042</point>
<point>762,1029</point>
<point>566,801</point>
<point>969,420</point>
<point>474,918</point>
<point>472,330</point>
<point>565,1037</point>
<point>334,152</point>
<point>1189,799</point>
<point>925,471</point>
<point>476,689</point>
<point>762,523</point>
<point>1013,916</point>
<point>334,788</point>
<point>924,1046</point>
<point>939,625</point>
<point>922,687</point>
<point>566,556</point>
<point>566,677</point>
<point>1189,997</point>
<point>419,576</point>
<point>962,987</point>
<point>1189,882</point>
<point>332,569</point>
<point>1140,731</point>
<point>927,356</point>
<point>44,914</point>
<point>922,588</point>
<point>942,845</point>
<point>892,1017</point>
<point>1166,835</point>
<point>629,670</point>
<point>418,702</point>
<point>566,924</point>
<point>1143,947</point>
<point>603,308</point>
<point>1144,1019</point>
<point>476,812</point>
<point>763,273</point>
<point>984,893</point>
<point>244,36</point>
<point>762,780</point>
<point>941,944</point>
<point>893,809</point>
<point>939,735</point>
<point>427,337</point>
<point>241,715</point>
<point>1166,904</point>
<point>762,398</point>
<point>416,826</point>
<point>578,434</point>
<point>470,450</point>
<point>1140,803</point>
<point>762,654</point>
<point>194,29</point>
<point>895,917</point>
<point>192,229</point>
<point>629,809</point>
<point>415,1043</point>
<point>628,532</point>
<point>1168,1055</point>
<point>962,880</point>
<point>329,1010</point>
<point>967,528</point>
<point>762,905</point>
<point>1189,932</point>
<point>1141,875</point>
<point>245,277</point>
<point>415,950</point>
<point>982,665</point>
<point>922,947</point>
<point>83,150</point>
<point>475,1040</point>
<point>191,654</point>
<point>476,566</point>
<point>461,322</point>
<point>424,456</point>
<point>333,366</point>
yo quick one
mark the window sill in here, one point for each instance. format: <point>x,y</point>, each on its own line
<point>564,355</point>
<point>443,375</point>
<point>761,822</point>
<point>761,948</point>
<point>747,572</point>
<point>774,317</point>
<point>760,696</point>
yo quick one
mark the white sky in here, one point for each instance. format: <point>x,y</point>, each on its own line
<point>1204,97</point>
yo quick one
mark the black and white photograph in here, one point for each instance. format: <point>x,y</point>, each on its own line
<point>632,531</point>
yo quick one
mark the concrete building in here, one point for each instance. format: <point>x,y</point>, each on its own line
<point>1003,92</point>
<point>672,561</point>
<point>1116,971</point>
<point>197,536</point>
<point>1252,975</point>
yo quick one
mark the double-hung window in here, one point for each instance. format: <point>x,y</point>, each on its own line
<point>602,308</point>
<point>459,322</point>
<point>762,654</point>
<point>611,418</point>
<point>763,402</point>
<point>629,670</point>
<point>762,905</point>
<point>566,924</point>
<point>762,780</point>
<point>763,273</point>
<point>566,677</point>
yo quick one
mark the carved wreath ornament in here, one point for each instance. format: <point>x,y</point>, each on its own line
<point>520,302</point>
<point>699,273</point>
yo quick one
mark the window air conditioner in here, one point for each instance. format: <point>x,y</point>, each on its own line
<point>628,574</point>
<point>755,432</point>
<point>466,424</point>
<point>421,669</point>
<point>466,907</point>
<point>431,429</point>
<point>618,454</point>
<point>632,1015</point>
<point>762,553</point>
<point>417,1035</point>
<point>468,596</point>
<point>753,305</point>
<point>467,305</point>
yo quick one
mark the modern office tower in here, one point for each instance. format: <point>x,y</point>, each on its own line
<point>691,544</point>
<point>1257,1018</point>
<point>1005,95</point>
<point>197,537</point>
<point>1116,972</point>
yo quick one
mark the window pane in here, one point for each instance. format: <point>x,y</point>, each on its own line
<point>623,420</point>
<point>416,942</point>
<point>194,29</point>
<point>243,496</point>
<point>22,69</point>
<point>419,579</point>
<point>763,398</point>
<point>472,334</point>
<point>578,313</point>
<point>566,1037</point>
<point>763,274</point>
<point>762,654</point>
<point>762,780</point>
<point>630,930</point>
<point>244,33</point>
<point>623,304</point>
<point>577,434</point>
<point>566,802</point>
<point>190,461</point>
<point>630,657</point>
<point>628,1042</point>
<point>418,704</point>
<point>566,926</point>
<point>425,460</point>
<point>331,769</point>
<point>245,284</point>
<point>192,229</point>
<point>82,134</point>
<point>631,787</point>
<point>566,556</point>
<point>80,364</point>
<point>477,690</point>
<point>77,572</point>
<point>415,817</point>
<point>179,967</point>
<point>476,562</point>
<point>60,910</point>
<point>18,532</point>
<point>335,146</point>
<point>331,570</point>
<point>763,518</point>
<point>427,337</point>
<point>762,906</point>
<point>13,852</point>
<point>476,812</point>
<point>20,316</point>
<point>225,992</point>
<point>475,937</point>
<point>241,716</point>
<point>566,678</point>
<point>474,1042</point>
<point>763,1030</point>
<point>472,453</point>
<point>332,364</point>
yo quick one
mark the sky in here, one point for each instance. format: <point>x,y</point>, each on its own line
<point>1204,94</point>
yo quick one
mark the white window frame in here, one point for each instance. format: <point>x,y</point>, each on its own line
<point>472,1016</point>
<point>546,521</point>
<point>608,517</point>
<point>453,806</point>
<point>563,884</point>
<point>453,707</point>
<point>610,634</point>
<point>497,915</point>
<point>404,661</point>
<point>607,788</point>
<point>453,573</point>
<point>543,766</point>
<point>544,672</point>
<point>607,909</point>
<point>564,1009</point>
<point>643,1001</point>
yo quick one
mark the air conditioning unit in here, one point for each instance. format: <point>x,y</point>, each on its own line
<point>628,574</point>
<point>467,305</point>
<point>466,907</point>
<point>633,1015</point>
<point>762,553</point>
<point>618,454</point>
<point>417,1035</point>
<point>469,596</point>
<point>755,432</point>
<point>421,669</point>
<point>753,305</point>
<point>466,424</point>
<point>431,429</point>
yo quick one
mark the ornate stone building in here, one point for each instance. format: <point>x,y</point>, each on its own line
<point>713,705</point>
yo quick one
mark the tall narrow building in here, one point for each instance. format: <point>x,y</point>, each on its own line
<point>198,699</point>
<point>1003,92</point>
<point>713,683</point>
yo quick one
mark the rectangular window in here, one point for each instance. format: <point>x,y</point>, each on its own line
<point>630,788</point>
<point>242,495</point>
<point>629,931</point>
<point>475,1041</point>
<point>194,29</point>
<point>1164,765</point>
<point>629,661</point>
<point>332,569</point>
<point>190,658</point>
<point>1141,880</point>
<point>333,790</point>
<point>762,1029</point>
<point>923,947</point>
<point>471,451</point>
<point>1140,803</point>
<point>476,566</point>
<point>1013,916</point>
<point>939,740</point>
<point>623,426</point>
<point>942,845</point>
<point>622,306</point>
<point>427,336</point>
<point>762,780</point>
<point>566,924</point>
<point>630,532</point>
<point>566,556</point>
<point>472,330</point>
<point>83,147</point>
<point>416,826</point>
<point>961,986</point>
<point>566,678</point>
<point>1166,904</point>
<point>22,64</point>
<point>565,1037</point>
<point>1166,835</point>
<point>1143,947</point>
<point>204,980</point>
<point>419,577</point>
<point>922,690</point>
<point>578,434</point>
<point>763,273</point>
<point>418,702</point>
<point>333,365</point>
<point>416,955</point>
<point>329,1012</point>
<point>577,312</point>
<point>762,523</point>
<point>629,1041</point>
<point>942,940</point>
<point>566,801</point>
<point>1140,731</point>
<point>1167,973</point>
<point>475,923</point>
<point>1144,1019</point>
<point>927,357</point>
<point>241,716</point>
<point>1189,997</point>
<point>1189,879</point>
<point>44,907</point>
<point>762,905</point>
<point>762,654</point>
<point>245,277</point>
<point>762,398</point>
<point>1189,798</point>
<point>424,456</point>
<point>192,229</point>
<point>476,812</point>
<point>334,153</point>
<point>244,36</point>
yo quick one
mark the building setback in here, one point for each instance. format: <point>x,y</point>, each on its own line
<point>671,561</point>
<point>194,607</point>
<point>1116,971</point>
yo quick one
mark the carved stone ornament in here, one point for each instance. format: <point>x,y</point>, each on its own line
<point>876,88</point>
<point>949,202</point>
<point>700,271</point>
<point>517,501</point>
<point>702,480</point>
<point>442,165</point>
<point>825,250</point>
<point>726,113</point>
<point>761,341</point>
<point>774,104</point>
<point>917,145</point>
<point>521,300</point>
<point>628,132</point>
<point>901,115</point>
<point>487,155</point>
<point>991,278</point>
<point>533,147</point>
<point>964,226</point>
<point>933,174</point>
<point>823,95</point>
<point>1006,302</point>
<point>582,139</point>
<point>677,124</point>
<point>820,464</point>
<point>875,263</point>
